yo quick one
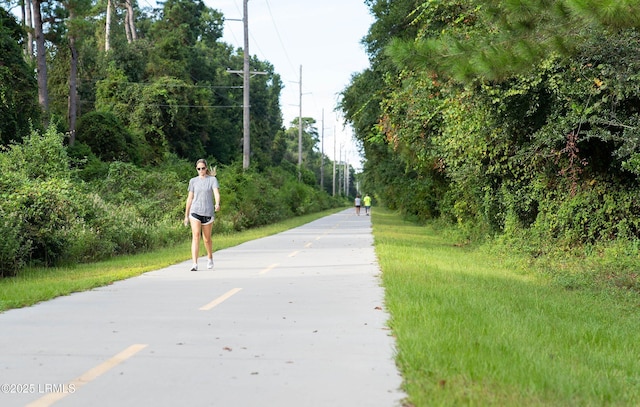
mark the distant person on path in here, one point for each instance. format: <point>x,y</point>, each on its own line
<point>367,204</point>
<point>357,202</point>
<point>203,201</point>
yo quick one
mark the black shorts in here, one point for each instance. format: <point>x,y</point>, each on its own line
<point>205,220</point>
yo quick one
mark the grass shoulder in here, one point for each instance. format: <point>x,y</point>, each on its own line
<point>33,285</point>
<point>477,326</point>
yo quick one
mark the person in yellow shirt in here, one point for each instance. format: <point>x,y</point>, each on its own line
<point>367,204</point>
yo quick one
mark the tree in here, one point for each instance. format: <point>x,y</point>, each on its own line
<point>362,99</point>
<point>174,37</point>
<point>41,56</point>
<point>27,23</point>
<point>129,22</point>
<point>507,38</point>
<point>266,116</point>
<point>107,26</point>
<point>77,10</point>
<point>18,86</point>
<point>504,116</point>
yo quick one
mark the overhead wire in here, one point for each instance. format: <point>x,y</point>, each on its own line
<point>284,49</point>
<point>255,42</point>
<point>235,3</point>
<point>275,27</point>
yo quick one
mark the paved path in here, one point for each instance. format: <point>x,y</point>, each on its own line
<point>294,319</point>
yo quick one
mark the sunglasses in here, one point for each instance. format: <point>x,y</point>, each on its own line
<point>201,168</point>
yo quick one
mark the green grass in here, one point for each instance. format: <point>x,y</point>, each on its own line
<point>472,331</point>
<point>34,285</point>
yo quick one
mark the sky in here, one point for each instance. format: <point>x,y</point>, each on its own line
<point>322,36</point>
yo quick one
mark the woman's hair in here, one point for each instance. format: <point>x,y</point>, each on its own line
<point>210,171</point>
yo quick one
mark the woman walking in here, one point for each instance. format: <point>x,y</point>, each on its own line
<point>203,202</point>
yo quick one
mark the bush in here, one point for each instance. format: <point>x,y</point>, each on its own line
<point>50,211</point>
<point>251,196</point>
<point>39,206</point>
<point>40,156</point>
<point>596,213</point>
<point>107,137</point>
<point>88,165</point>
<point>13,247</point>
<point>154,194</point>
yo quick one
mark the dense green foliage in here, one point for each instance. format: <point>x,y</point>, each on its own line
<point>106,137</point>
<point>512,118</point>
<point>52,213</point>
<point>18,94</point>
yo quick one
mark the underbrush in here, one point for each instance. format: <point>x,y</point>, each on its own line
<point>606,268</point>
<point>57,209</point>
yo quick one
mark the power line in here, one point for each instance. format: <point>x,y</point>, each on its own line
<point>275,27</point>
<point>239,10</point>
<point>199,106</point>
<point>256,43</point>
<point>186,85</point>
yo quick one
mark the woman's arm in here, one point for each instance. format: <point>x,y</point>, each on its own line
<point>216,197</point>
<point>187,208</point>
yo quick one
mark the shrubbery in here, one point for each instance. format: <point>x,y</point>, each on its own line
<point>107,137</point>
<point>56,209</point>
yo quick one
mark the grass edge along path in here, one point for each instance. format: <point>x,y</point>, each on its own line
<point>470,331</point>
<point>34,285</point>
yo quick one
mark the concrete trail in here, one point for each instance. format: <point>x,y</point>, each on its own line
<point>294,319</point>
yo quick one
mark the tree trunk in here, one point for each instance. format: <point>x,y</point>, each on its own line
<point>127,29</point>
<point>107,28</point>
<point>73,87</point>
<point>130,21</point>
<point>41,57</point>
<point>27,25</point>
<point>29,28</point>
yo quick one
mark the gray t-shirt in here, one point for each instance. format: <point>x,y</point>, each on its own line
<point>202,189</point>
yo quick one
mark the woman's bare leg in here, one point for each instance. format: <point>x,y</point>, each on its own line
<point>206,236</point>
<point>196,230</point>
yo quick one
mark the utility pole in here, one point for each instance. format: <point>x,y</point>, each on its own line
<point>334,160</point>
<point>346,174</point>
<point>340,168</point>
<point>300,130</point>
<point>322,154</point>
<point>246,145</point>
<point>346,171</point>
<point>246,74</point>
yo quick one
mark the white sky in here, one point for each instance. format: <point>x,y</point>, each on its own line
<point>322,36</point>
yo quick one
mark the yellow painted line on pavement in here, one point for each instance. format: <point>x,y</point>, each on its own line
<point>308,245</point>
<point>268,269</point>
<point>324,234</point>
<point>294,253</point>
<point>220,299</point>
<point>88,376</point>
